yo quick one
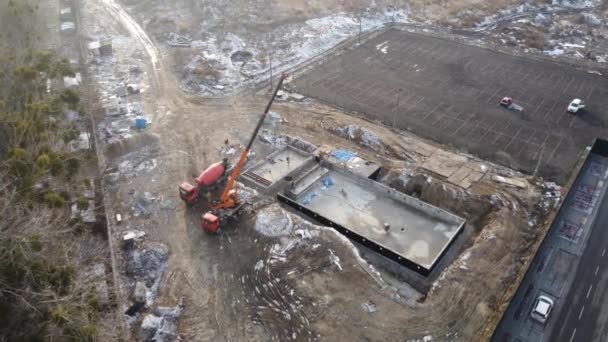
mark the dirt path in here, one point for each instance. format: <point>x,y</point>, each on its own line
<point>135,30</point>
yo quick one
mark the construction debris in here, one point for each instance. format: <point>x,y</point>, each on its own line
<point>161,324</point>
<point>177,40</point>
<point>519,183</point>
<point>147,264</point>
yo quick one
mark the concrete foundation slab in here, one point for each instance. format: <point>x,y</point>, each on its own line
<point>402,228</point>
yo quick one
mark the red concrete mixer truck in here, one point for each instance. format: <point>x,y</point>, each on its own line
<point>206,181</point>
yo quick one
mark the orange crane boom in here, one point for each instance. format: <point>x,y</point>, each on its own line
<point>229,198</point>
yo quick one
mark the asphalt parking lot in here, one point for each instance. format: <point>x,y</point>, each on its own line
<point>449,92</point>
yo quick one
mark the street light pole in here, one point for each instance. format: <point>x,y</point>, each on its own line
<point>270,61</point>
<point>360,24</point>
<point>396,108</point>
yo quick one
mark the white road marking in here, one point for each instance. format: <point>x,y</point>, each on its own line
<point>596,269</point>
<point>581,313</point>
<point>589,291</point>
<point>573,333</point>
<point>604,252</point>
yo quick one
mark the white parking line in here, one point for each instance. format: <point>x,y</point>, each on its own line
<point>581,313</point>
<point>589,291</point>
<point>596,269</point>
<point>573,333</point>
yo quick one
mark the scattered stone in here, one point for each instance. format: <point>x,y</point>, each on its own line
<point>592,19</point>
<point>370,307</point>
<point>139,293</point>
<point>68,27</point>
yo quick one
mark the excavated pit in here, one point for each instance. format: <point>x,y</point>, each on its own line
<point>474,208</point>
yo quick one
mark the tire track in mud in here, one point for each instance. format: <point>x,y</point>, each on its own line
<point>270,293</point>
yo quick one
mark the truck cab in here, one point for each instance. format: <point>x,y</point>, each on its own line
<point>210,222</point>
<point>188,192</point>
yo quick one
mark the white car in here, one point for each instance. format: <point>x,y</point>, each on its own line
<point>541,309</point>
<point>575,105</point>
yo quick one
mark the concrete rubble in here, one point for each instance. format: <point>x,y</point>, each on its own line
<point>161,324</point>
<point>146,264</point>
<point>177,40</point>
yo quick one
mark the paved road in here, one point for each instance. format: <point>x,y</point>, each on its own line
<point>584,316</point>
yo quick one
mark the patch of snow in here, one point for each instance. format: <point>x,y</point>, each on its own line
<point>555,52</point>
<point>591,19</point>
<point>577,3</point>
<point>334,259</point>
<point>273,221</point>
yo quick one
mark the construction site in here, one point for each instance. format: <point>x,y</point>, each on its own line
<point>331,170</point>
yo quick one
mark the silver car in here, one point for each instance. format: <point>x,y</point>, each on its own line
<point>541,309</point>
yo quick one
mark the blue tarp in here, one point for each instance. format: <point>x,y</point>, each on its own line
<point>344,155</point>
<point>327,182</point>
